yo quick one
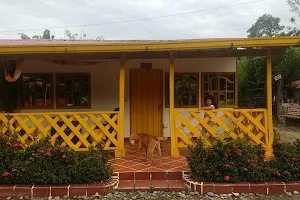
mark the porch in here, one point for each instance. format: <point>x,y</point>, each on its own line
<point>81,129</point>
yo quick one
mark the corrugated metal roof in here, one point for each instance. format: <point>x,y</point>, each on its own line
<point>7,42</point>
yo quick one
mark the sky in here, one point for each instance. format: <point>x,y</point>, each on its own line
<point>213,19</point>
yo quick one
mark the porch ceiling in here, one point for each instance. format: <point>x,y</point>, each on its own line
<point>145,55</point>
<point>107,49</point>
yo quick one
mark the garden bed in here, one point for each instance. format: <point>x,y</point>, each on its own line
<point>265,188</point>
<point>69,191</point>
<point>49,162</point>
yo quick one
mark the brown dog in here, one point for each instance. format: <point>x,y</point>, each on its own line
<point>150,143</point>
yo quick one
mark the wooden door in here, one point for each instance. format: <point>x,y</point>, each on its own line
<point>146,101</point>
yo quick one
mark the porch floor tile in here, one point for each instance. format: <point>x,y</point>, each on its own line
<point>131,161</point>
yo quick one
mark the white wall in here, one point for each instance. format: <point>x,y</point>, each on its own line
<point>105,80</point>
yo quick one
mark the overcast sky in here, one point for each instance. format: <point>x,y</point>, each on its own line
<point>231,21</point>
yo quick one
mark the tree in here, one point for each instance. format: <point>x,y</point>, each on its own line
<point>265,26</point>
<point>294,6</point>
<point>252,71</point>
<point>46,35</point>
<point>68,34</point>
<point>82,36</point>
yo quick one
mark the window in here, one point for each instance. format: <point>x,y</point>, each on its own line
<point>73,91</point>
<point>36,91</point>
<point>221,86</point>
<point>186,90</point>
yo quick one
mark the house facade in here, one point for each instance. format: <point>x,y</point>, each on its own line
<point>90,91</point>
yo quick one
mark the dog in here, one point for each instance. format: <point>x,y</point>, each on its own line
<point>150,143</point>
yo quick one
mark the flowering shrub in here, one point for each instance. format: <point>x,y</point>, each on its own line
<point>44,163</point>
<point>286,160</point>
<point>239,161</point>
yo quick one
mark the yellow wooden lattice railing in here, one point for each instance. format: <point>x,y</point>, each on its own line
<point>78,130</point>
<point>222,124</point>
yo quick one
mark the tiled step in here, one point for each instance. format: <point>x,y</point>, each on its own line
<point>150,186</point>
<point>150,181</point>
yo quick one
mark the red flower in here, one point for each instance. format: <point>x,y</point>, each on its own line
<point>262,156</point>
<point>264,149</point>
<point>278,174</point>
<point>50,148</point>
<point>217,173</point>
<point>61,150</point>
<point>279,142</point>
<point>226,178</point>
<point>64,156</point>
<point>234,146</point>
<point>6,173</point>
<point>226,155</point>
<point>249,160</point>
<point>100,155</point>
<point>295,159</point>
<point>16,145</point>
<point>238,153</point>
<point>245,169</point>
<point>207,171</point>
<point>227,165</point>
<point>49,154</point>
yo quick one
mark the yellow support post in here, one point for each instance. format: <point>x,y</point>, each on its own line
<point>120,152</point>
<point>174,147</point>
<point>269,98</point>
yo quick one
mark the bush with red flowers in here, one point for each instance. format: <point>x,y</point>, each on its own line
<point>286,160</point>
<point>44,163</point>
<point>239,161</point>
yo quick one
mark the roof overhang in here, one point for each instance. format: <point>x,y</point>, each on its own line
<point>227,47</point>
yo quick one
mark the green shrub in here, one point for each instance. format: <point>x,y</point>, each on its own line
<point>44,163</point>
<point>239,161</point>
<point>286,160</point>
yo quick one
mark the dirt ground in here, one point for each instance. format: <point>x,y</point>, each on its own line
<point>288,133</point>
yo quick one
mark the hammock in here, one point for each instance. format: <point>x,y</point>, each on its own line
<point>17,73</point>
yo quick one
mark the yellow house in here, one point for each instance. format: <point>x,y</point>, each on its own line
<point>87,91</point>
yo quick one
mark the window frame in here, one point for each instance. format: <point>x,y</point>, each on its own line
<point>35,75</point>
<point>234,91</point>
<point>167,93</point>
<point>57,76</point>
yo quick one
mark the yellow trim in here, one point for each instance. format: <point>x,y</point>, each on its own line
<point>269,102</point>
<point>225,43</point>
<point>121,151</point>
<point>74,128</point>
<point>244,122</point>
<point>174,148</point>
<point>236,104</point>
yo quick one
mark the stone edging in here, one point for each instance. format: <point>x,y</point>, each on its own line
<point>69,191</point>
<point>228,188</point>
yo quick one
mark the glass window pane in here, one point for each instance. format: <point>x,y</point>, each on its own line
<point>230,98</point>
<point>73,90</point>
<point>222,100</point>
<point>222,84</point>
<point>35,91</point>
<point>214,83</point>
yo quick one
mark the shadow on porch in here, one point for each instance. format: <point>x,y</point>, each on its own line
<point>131,161</point>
